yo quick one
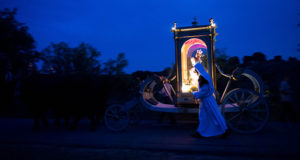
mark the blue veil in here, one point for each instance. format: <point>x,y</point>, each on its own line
<point>201,70</point>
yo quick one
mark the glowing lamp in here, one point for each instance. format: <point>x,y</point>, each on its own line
<point>213,24</point>
<point>197,43</point>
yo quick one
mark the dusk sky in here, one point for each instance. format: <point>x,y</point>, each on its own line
<point>141,29</point>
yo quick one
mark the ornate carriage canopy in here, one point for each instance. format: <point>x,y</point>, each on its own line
<point>189,41</point>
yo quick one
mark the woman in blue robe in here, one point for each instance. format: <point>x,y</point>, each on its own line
<point>211,121</point>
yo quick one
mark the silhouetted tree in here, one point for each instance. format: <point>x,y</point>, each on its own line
<point>221,54</point>
<point>277,58</point>
<point>82,59</point>
<point>16,44</point>
<point>85,59</point>
<point>234,61</point>
<point>292,59</point>
<point>57,56</point>
<point>141,75</point>
<point>247,60</point>
<point>222,60</point>
<point>258,57</point>
<point>115,67</point>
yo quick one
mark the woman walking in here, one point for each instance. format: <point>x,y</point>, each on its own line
<point>211,121</point>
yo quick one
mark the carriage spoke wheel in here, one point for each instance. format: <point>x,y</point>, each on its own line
<point>245,111</point>
<point>116,118</point>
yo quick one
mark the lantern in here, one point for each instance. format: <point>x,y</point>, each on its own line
<point>194,41</point>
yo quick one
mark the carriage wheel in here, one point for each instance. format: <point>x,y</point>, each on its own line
<point>245,111</point>
<point>116,118</point>
<point>257,83</point>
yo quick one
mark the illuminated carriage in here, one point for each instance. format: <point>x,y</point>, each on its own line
<point>244,109</point>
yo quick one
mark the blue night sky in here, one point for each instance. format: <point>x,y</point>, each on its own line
<point>141,29</point>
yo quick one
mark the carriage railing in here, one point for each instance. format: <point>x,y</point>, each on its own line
<point>231,77</point>
<point>226,75</point>
<point>166,82</point>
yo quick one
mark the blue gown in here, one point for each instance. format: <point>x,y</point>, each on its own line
<point>211,121</point>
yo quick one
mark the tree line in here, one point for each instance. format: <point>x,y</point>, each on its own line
<point>18,59</point>
<point>18,53</point>
<point>64,79</point>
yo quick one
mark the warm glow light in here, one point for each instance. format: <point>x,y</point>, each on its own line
<point>174,28</point>
<point>189,79</point>
<point>193,78</point>
<point>186,88</point>
<point>193,82</point>
<point>213,24</point>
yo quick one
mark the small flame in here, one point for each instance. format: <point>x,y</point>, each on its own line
<point>213,24</point>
